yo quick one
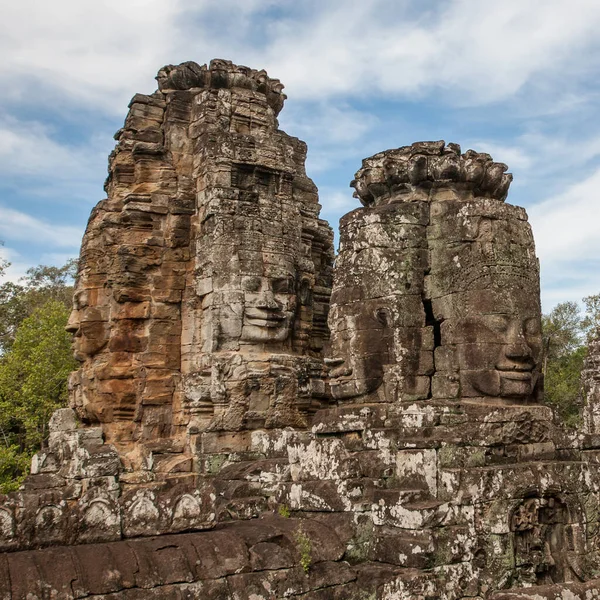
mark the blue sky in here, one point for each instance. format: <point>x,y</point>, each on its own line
<point>518,79</point>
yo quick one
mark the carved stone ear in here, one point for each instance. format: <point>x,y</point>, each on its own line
<point>305,292</point>
<point>384,316</point>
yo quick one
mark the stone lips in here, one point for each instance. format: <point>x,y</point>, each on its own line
<point>429,164</point>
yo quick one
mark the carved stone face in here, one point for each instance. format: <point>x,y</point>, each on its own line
<point>89,328</point>
<point>269,307</point>
<point>498,344</point>
<point>542,553</point>
<point>361,348</point>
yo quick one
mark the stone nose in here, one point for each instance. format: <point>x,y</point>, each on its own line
<point>517,348</point>
<point>267,300</point>
<point>73,324</point>
<point>337,367</point>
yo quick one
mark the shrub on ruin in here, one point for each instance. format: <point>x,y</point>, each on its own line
<point>33,384</point>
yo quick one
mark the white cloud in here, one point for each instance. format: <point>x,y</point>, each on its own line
<point>551,151</point>
<point>544,161</point>
<point>19,226</point>
<point>485,52</point>
<point>554,293</point>
<point>566,226</point>
<point>567,242</point>
<point>36,162</point>
<point>333,124</point>
<point>17,267</point>
<point>102,52</point>
<point>334,132</point>
<point>515,156</point>
<point>27,148</point>
<point>94,52</point>
<point>337,202</point>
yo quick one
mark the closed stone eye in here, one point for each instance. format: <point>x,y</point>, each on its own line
<point>251,284</point>
<point>498,323</point>
<point>282,286</point>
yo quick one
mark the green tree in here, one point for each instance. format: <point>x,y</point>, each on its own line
<point>561,331</point>
<point>33,383</point>
<point>562,385</point>
<point>35,361</point>
<point>564,332</point>
<point>19,300</point>
<point>591,321</point>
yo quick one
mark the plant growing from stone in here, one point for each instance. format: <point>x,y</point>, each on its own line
<point>305,548</point>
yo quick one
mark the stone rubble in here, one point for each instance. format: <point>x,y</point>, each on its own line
<point>251,422</point>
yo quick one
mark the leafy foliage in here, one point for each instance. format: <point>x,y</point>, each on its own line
<point>591,322</point>
<point>35,361</point>
<point>19,300</point>
<point>561,330</point>
<point>562,385</point>
<point>565,335</point>
<point>33,383</point>
<point>304,548</point>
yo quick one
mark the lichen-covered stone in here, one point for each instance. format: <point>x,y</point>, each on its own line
<point>436,290</point>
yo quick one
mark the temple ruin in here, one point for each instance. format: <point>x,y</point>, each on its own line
<point>254,421</point>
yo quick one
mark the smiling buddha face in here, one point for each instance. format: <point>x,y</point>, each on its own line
<point>269,306</point>
<point>486,299</point>
<point>362,347</point>
<point>498,344</point>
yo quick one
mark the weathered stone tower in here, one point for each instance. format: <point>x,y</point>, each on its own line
<point>405,455</point>
<point>205,276</point>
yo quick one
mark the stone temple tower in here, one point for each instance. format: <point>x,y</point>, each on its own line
<point>205,275</point>
<point>436,292</point>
